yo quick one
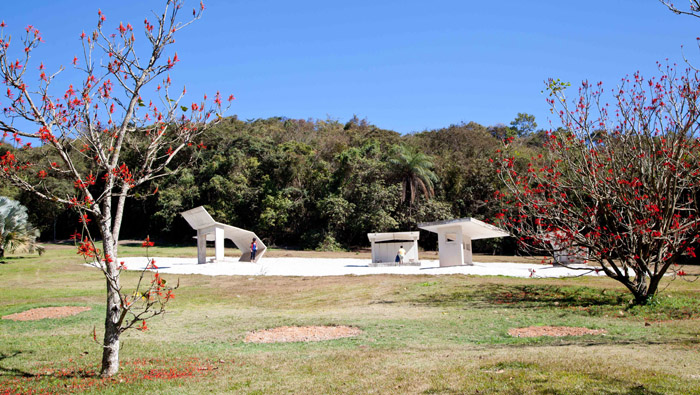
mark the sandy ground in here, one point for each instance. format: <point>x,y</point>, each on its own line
<point>301,334</point>
<point>46,312</point>
<point>294,266</point>
<point>556,331</point>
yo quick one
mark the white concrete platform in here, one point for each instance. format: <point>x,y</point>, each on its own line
<point>340,267</point>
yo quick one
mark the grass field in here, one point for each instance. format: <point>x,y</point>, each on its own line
<point>421,334</point>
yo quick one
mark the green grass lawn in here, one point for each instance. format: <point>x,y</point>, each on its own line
<point>421,334</point>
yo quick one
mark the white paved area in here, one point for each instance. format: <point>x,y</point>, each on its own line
<point>338,267</point>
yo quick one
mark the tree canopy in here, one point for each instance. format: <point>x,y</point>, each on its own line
<point>617,184</point>
<point>308,183</point>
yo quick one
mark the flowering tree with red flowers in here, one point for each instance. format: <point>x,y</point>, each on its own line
<point>91,124</point>
<point>619,183</point>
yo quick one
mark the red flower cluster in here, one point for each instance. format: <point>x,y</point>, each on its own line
<point>87,249</point>
<point>152,265</point>
<point>124,174</point>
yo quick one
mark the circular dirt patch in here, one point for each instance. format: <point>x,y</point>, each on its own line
<point>46,312</point>
<point>301,334</point>
<point>556,331</point>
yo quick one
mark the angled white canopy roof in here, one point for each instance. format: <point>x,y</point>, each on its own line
<point>398,236</point>
<point>473,228</point>
<point>200,220</point>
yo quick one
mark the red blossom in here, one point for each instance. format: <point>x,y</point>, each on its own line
<point>152,264</point>
<point>87,249</point>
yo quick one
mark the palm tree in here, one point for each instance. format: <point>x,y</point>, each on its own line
<point>16,233</point>
<point>414,169</point>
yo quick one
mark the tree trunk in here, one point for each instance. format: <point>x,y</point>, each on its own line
<point>636,286</point>
<point>110,350</point>
<point>118,215</point>
<point>110,345</point>
<point>654,284</point>
<point>639,289</point>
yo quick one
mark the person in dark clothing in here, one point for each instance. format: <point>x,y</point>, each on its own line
<point>253,249</point>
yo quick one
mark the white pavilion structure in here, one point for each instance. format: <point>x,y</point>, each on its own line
<point>564,251</point>
<point>455,238</point>
<point>386,245</point>
<point>208,229</point>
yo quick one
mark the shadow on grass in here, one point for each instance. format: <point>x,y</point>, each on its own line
<point>638,390</point>
<point>135,244</point>
<point>581,300</point>
<point>60,377</point>
<point>599,384</point>
<point>595,341</point>
<point>61,373</point>
<point>525,296</point>
<point>12,371</point>
<point>12,259</point>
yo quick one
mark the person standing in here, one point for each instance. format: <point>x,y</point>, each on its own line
<point>401,254</point>
<point>253,249</point>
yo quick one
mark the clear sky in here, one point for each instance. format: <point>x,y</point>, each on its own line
<point>404,65</point>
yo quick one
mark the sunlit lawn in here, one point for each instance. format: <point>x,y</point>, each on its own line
<point>422,334</point>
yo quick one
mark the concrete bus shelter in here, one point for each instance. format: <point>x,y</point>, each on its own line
<point>564,251</point>
<point>208,229</point>
<point>455,238</point>
<point>386,245</point>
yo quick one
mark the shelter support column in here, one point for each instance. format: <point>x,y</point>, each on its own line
<point>219,244</point>
<point>467,242</point>
<point>201,247</point>
<point>415,249</point>
<point>450,239</point>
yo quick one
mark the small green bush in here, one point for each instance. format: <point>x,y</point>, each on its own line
<point>329,243</point>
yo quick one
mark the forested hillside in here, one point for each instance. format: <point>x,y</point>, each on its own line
<point>315,184</point>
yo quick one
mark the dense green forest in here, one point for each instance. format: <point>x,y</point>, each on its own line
<point>315,184</point>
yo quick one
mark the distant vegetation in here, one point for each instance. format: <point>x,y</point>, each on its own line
<point>316,184</point>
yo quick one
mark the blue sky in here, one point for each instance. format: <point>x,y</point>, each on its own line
<point>404,65</point>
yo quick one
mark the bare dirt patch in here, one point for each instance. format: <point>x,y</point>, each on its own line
<point>555,331</point>
<point>46,312</point>
<point>301,334</point>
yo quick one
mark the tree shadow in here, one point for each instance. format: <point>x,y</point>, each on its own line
<point>58,374</point>
<point>567,296</point>
<point>641,390</point>
<point>632,390</point>
<point>131,244</point>
<point>594,341</point>
<point>9,259</point>
<point>12,371</point>
<point>526,296</point>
